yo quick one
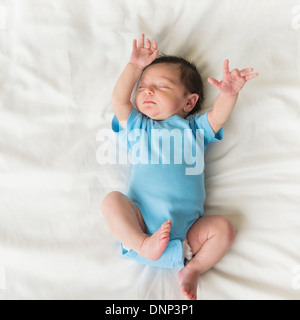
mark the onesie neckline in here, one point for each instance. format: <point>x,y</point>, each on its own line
<point>173,118</point>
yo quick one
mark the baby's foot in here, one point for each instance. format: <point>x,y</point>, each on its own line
<point>188,279</point>
<point>154,246</point>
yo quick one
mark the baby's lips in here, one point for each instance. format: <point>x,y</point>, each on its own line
<point>149,102</point>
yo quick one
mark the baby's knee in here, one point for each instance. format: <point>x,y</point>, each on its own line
<point>109,201</point>
<point>223,228</point>
<point>226,228</point>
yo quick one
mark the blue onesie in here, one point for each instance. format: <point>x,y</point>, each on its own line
<point>167,175</point>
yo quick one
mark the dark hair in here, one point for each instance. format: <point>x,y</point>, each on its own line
<point>190,77</point>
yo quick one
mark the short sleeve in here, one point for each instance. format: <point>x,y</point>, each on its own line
<point>199,121</point>
<point>136,121</point>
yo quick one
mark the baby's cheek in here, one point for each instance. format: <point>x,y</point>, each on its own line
<point>138,100</point>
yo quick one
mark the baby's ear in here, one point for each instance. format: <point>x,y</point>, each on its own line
<point>191,102</point>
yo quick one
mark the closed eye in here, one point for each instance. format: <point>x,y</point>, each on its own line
<point>164,87</point>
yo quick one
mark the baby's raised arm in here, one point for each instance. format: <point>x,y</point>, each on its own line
<point>230,86</point>
<point>142,55</point>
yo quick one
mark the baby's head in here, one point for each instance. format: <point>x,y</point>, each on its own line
<point>169,86</point>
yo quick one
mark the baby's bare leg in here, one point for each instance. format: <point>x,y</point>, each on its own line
<point>126,224</point>
<point>210,239</point>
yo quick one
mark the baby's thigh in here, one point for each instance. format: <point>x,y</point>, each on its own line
<point>119,204</point>
<point>207,227</point>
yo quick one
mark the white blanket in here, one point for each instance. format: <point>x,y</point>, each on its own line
<point>59,60</point>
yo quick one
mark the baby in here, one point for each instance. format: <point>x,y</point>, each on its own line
<point>161,214</point>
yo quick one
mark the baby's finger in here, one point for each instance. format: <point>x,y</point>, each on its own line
<point>154,54</point>
<point>134,44</point>
<point>154,45</point>
<point>236,73</point>
<point>251,76</point>
<point>244,72</point>
<point>226,67</point>
<point>147,44</point>
<point>214,82</point>
<point>141,41</point>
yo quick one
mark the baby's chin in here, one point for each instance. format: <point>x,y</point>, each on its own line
<point>150,113</point>
<point>156,117</point>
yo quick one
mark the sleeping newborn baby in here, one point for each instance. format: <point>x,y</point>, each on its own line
<point>160,219</point>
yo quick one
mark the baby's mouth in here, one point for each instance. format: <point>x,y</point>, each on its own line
<point>149,102</point>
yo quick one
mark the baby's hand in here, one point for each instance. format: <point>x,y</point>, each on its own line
<point>143,55</point>
<point>234,81</point>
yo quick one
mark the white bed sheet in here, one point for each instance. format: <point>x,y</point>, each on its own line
<point>59,60</point>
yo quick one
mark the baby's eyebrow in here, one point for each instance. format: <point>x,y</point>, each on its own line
<point>171,81</point>
<point>165,78</point>
<point>162,77</point>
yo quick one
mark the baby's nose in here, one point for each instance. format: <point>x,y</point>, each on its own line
<point>149,91</point>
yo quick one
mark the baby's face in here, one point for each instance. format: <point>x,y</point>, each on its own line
<point>161,94</point>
